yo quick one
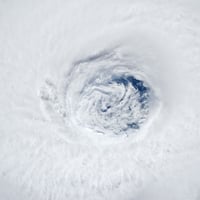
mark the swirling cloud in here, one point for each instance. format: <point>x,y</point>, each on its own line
<point>99,100</point>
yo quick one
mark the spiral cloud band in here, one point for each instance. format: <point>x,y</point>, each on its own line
<point>99,100</point>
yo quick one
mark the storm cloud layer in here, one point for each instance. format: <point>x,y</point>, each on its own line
<point>99,100</point>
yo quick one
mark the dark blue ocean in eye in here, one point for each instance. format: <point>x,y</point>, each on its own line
<point>142,93</point>
<point>137,84</point>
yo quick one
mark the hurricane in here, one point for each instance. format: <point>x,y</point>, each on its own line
<point>99,100</point>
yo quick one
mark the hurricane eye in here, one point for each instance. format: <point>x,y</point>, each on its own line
<point>108,96</point>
